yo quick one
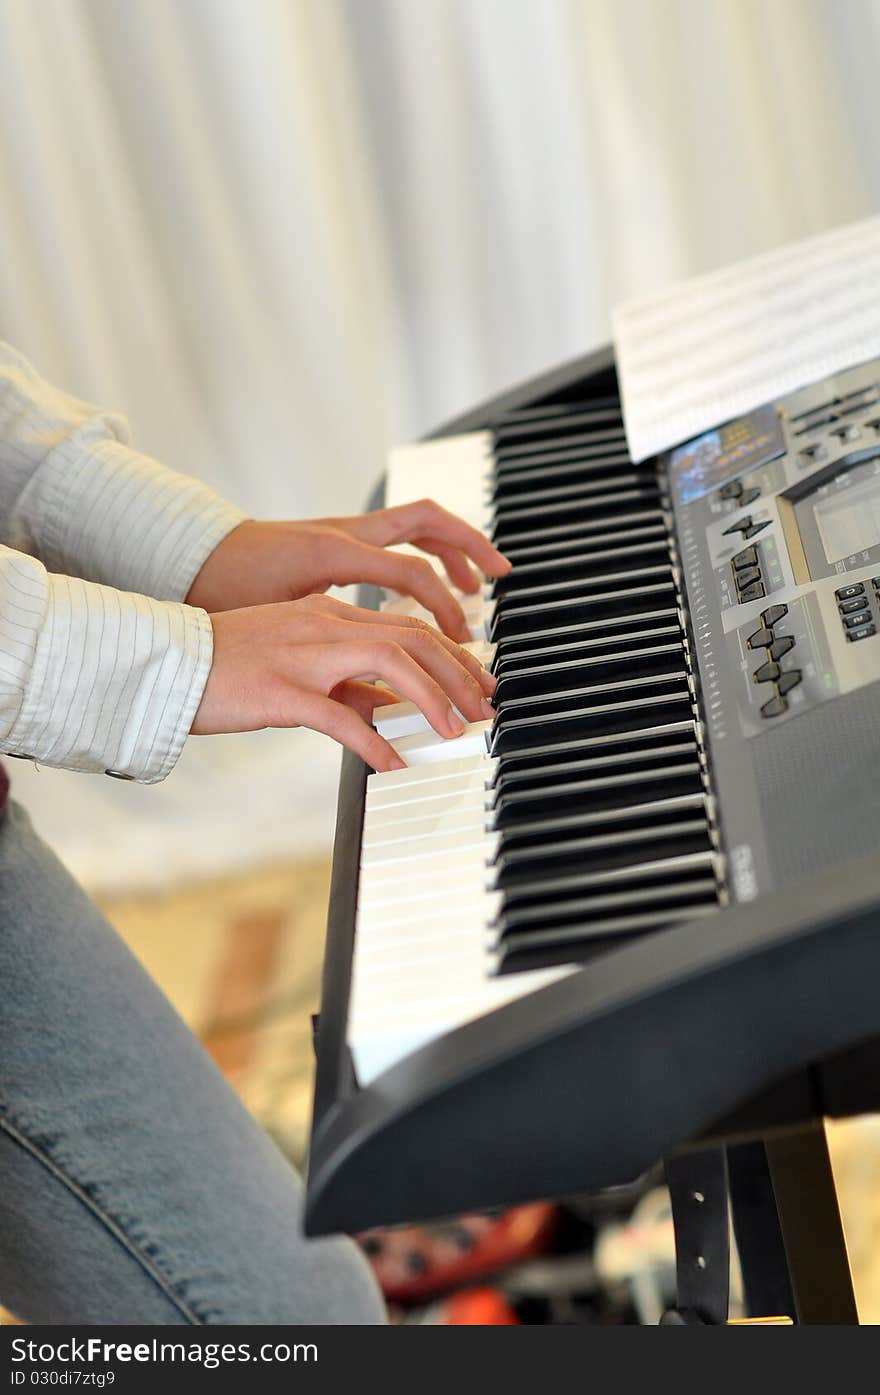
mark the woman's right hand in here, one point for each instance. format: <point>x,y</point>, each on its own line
<point>320,663</point>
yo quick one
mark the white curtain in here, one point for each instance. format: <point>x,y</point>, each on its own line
<point>281,234</point>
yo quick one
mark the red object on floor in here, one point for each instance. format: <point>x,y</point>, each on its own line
<point>413,1263</point>
<point>478,1307</point>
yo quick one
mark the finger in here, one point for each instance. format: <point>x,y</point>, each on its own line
<point>364,698</point>
<point>427,519</point>
<point>442,662</point>
<point>387,661</point>
<point>458,568</point>
<point>410,575</point>
<point>341,610</point>
<point>346,726</point>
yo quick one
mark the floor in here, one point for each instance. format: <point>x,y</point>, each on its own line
<point>241,960</point>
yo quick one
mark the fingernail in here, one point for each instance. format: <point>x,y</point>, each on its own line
<point>456,725</point>
<point>487,710</point>
<point>488,680</point>
<point>395,763</point>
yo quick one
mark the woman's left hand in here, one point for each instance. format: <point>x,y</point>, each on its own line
<point>261,563</point>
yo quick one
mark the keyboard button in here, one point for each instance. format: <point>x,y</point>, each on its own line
<point>749,497</point>
<point>755,592</point>
<point>739,527</point>
<point>863,632</point>
<point>775,707</point>
<point>754,528</point>
<point>732,490</point>
<point>850,621</point>
<point>747,576</point>
<point>847,607</point>
<point>749,558</point>
<point>788,680</point>
<point>761,639</point>
<point>781,646</point>
<point>844,593</point>
<point>773,614</point>
<point>768,672</point>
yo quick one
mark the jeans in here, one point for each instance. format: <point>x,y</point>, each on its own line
<point>134,1187</point>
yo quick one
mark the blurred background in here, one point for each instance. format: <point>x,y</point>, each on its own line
<point>282,235</point>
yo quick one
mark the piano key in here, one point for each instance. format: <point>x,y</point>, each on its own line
<point>448,470</point>
<point>457,821</point>
<point>384,802</point>
<point>431,746</point>
<point>423,774</point>
<point>458,841</point>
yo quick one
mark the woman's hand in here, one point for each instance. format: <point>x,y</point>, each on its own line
<point>259,563</point>
<point>318,663</point>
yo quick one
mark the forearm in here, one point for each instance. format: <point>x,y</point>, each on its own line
<point>95,679</point>
<point>76,495</point>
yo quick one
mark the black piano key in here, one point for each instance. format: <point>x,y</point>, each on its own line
<point>602,851</point>
<point>640,739</point>
<point>606,504</point>
<point>622,809</point>
<point>550,421</point>
<point>584,528</point>
<point>610,691</point>
<point>510,659</point>
<point>601,792</point>
<point>598,634</point>
<point>522,734</point>
<point>528,480</point>
<point>568,944</point>
<point>570,490</point>
<point>551,773</point>
<point>545,452</point>
<point>550,549</point>
<point>556,571</point>
<point>649,873</point>
<point>580,610</point>
<point>533,680</point>
<point>574,480</point>
<point>556,911</point>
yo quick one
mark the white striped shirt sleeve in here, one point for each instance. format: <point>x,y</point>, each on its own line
<point>102,666</point>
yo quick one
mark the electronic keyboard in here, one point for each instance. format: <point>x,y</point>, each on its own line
<point>639,911</point>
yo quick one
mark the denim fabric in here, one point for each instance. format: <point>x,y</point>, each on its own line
<point>134,1188</point>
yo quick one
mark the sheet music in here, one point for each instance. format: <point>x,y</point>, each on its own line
<point>700,353</point>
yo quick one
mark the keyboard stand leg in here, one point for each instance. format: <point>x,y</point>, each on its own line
<point>812,1231</point>
<point>697,1184</point>
<point>763,1263</point>
<point>787,1225</point>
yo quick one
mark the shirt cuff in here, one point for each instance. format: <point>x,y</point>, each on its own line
<point>105,512</point>
<point>114,681</point>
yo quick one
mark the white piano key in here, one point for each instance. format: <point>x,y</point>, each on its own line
<point>433,880</point>
<point>449,841</point>
<point>404,904</point>
<point>404,831</point>
<point>466,798</point>
<point>451,470</point>
<point>424,774</point>
<point>482,650</point>
<point>436,864</point>
<point>400,925</point>
<point>475,607</point>
<point>380,1034</point>
<point>402,797</point>
<point>401,719</point>
<point>426,748</point>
